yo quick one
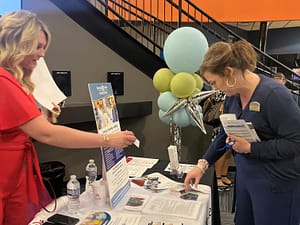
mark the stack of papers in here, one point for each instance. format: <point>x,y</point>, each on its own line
<point>138,165</point>
<point>238,127</point>
<point>158,205</point>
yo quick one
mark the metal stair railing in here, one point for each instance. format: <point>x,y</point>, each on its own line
<point>151,25</point>
<point>262,67</point>
<point>143,26</point>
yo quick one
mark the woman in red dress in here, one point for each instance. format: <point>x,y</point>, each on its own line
<point>23,40</point>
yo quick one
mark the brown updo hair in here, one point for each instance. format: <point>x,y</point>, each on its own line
<point>240,55</point>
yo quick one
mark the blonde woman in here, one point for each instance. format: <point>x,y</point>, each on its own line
<point>23,40</point>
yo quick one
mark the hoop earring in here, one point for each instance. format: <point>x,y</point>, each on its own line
<point>231,85</point>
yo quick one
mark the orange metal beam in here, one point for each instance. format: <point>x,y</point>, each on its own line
<point>226,10</point>
<point>253,10</point>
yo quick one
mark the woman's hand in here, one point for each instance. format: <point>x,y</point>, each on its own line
<point>120,139</point>
<point>56,108</point>
<point>193,178</point>
<point>53,114</point>
<point>238,144</point>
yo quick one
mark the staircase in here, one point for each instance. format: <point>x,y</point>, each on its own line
<point>145,25</point>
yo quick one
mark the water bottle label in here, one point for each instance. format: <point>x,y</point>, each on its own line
<point>73,193</point>
<point>92,175</point>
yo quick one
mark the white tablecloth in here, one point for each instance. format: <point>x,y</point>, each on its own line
<point>87,207</point>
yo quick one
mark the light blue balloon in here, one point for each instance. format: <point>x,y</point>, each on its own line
<point>166,100</point>
<point>164,119</point>
<point>181,118</point>
<point>184,49</point>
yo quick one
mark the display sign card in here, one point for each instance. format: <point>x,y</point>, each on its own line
<point>114,166</point>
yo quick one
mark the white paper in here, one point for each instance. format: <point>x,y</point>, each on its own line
<point>201,188</point>
<point>239,127</point>
<point>46,91</point>
<point>138,165</point>
<point>123,218</point>
<point>184,167</point>
<point>137,143</point>
<point>173,207</point>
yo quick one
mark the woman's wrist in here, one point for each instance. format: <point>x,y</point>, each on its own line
<point>202,165</point>
<point>105,139</point>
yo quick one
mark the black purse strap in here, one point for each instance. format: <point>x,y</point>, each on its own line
<point>54,195</point>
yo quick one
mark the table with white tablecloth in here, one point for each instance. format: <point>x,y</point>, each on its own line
<point>122,216</point>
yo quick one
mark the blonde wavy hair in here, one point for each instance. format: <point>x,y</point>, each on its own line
<point>19,37</point>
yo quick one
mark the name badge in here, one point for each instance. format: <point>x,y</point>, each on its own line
<point>254,106</point>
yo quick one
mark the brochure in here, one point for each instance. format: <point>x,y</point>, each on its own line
<point>136,202</point>
<point>100,218</point>
<point>239,127</point>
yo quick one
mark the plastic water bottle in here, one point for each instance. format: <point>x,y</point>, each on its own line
<point>73,193</point>
<point>91,173</point>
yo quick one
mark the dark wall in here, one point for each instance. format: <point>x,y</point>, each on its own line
<point>284,41</point>
<point>279,41</point>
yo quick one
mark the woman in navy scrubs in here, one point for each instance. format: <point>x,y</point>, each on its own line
<point>268,171</point>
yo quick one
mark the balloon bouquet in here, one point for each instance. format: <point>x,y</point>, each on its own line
<point>179,86</point>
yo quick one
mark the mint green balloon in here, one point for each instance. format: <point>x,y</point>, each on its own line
<point>166,100</point>
<point>183,85</point>
<point>181,118</point>
<point>184,49</point>
<point>162,79</point>
<point>164,119</point>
